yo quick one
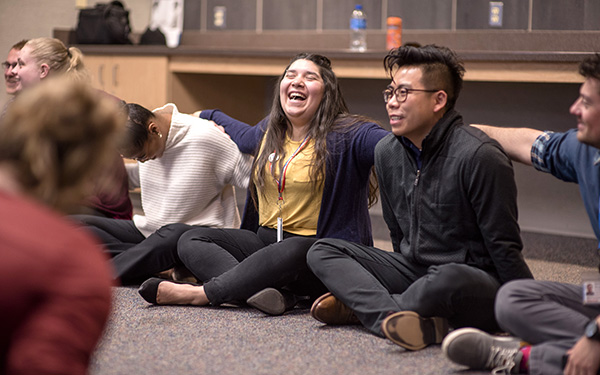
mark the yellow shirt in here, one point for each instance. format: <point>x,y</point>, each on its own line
<point>301,198</point>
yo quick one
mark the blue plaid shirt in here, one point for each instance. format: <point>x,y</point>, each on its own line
<point>539,147</point>
<point>562,155</point>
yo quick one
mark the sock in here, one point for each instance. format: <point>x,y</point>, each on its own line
<point>524,365</point>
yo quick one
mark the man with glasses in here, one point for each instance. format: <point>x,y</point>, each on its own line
<point>449,199</point>
<point>11,79</point>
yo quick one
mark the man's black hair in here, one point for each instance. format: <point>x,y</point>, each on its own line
<point>441,67</point>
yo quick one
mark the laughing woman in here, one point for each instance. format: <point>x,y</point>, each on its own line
<point>310,180</point>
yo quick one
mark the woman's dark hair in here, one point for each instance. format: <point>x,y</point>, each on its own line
<point>331,115</point>
<point>442,69</point>
<point>136,129</point>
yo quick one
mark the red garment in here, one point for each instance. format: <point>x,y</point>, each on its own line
<point>56,291</point>
<point>115,203</point>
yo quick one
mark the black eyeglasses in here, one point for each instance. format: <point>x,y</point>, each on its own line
<point>401,93</point>
<point>8,66</point>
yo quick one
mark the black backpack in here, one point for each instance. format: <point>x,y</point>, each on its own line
<point>103,24</point>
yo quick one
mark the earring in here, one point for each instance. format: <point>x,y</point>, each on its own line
<point>159,135</point>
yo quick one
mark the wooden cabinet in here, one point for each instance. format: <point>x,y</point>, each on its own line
<point>136,79</point>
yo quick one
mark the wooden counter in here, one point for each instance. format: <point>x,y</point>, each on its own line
<point>220,69</point>
<point>489,55</point>
<point>492,66</point>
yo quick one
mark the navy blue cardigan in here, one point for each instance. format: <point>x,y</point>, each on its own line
<point>344,207</point>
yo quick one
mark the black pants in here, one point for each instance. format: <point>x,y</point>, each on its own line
<point>375,283</point>
<point>236,263</point>
<point>136,258</point>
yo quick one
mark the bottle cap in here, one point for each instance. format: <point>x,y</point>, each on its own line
<point>394,21</point>
<point>358,6</point>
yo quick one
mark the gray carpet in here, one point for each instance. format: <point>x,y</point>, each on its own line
<point>145,339</point>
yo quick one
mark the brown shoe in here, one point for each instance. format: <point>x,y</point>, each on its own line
<point>413,332</point>
<point>330,310</point>
<point>178,273</point>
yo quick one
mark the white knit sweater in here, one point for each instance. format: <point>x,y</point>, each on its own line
<point>192,182</point>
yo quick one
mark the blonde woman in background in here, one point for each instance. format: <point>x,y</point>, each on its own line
<point>53,317</point>
<point>46,57</point>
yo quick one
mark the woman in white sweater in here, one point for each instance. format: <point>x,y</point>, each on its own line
<point>186,169</point>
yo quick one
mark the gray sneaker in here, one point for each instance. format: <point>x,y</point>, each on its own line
<point>481,351</point>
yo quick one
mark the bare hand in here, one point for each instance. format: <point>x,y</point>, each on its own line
<point>220,128</point>
<point>584,358</point>
<point>197,114</point>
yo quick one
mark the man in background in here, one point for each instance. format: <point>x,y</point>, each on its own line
<point>557,319</point>
<point>11,79</point>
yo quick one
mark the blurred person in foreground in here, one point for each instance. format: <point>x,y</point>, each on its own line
<point>53,139</point>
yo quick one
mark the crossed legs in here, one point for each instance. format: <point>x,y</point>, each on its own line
<point>549,315</point>
<point>375,283</point>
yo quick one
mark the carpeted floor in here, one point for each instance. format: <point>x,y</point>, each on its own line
<point>145,339</point>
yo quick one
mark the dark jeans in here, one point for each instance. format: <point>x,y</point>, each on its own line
<point>375,283</point>
<point>116,235</point>
<point>236,263</point>
<point>135,257</point>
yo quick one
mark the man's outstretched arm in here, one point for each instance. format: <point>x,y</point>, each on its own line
<point>516,142</point>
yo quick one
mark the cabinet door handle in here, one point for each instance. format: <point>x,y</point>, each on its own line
<point>115,73</point>
<point>100,75</point>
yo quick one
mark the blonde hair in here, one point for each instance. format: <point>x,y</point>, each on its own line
<point>59,58</point>
<point>56,137</point>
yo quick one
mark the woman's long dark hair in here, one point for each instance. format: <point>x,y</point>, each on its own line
<point>331,115</point>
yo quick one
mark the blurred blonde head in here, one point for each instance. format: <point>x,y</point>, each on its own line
<point>55,137</point>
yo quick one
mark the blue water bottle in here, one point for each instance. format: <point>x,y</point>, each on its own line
<point>358,29</point>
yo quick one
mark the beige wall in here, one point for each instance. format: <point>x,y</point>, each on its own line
<point>26,19</point>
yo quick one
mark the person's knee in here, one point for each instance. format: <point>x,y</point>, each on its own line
<point>299,245</point>
<point>301,242</point>
<point>506,306</point>
<point>463,294</point>
<point>195,238</point>
<point>87,220</point>
<point>194,234</point>
<point>176,229</point>
<point>456,282</point>
<point>319,251</point>
<point>185,242</point>
<point>448,278</point>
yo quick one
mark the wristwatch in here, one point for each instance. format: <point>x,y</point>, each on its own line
<point>592,331</point>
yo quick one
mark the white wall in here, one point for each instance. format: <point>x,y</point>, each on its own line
<point>27,19</point>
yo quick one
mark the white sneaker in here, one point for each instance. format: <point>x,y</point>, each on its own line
<point>481,351</point>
